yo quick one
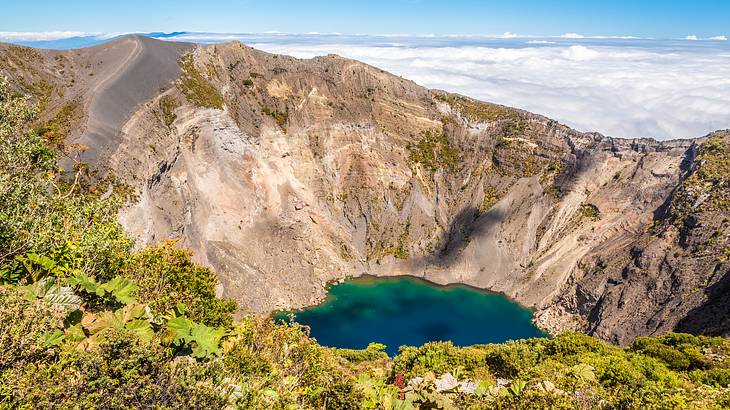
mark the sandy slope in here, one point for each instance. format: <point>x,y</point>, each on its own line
<point>133,71</point>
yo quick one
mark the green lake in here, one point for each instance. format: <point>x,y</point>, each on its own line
<point>409,311</point>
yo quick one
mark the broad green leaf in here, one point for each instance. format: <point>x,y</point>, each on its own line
<point>583,371</point>
<point>182,326</point>
<point>207,340</point>
<point>403,405</point>
<point>53,338</point>
<point>36,265</point>
<point>84,282</point>
<point>517,387</point>
<point>142,329</point>
<point>130,312</point>
<point>50,292</point>
<point>41,260</point>
<point>95,323</point>
<point>63,296</point>
<point>121,288</point>
<point>482,388</point>
<point>203,340</point>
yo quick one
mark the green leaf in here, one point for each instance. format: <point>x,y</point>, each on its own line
<point>119,319</point>
<point>203,340</point>
<point>142,329</point>
<point>53,338</point>
<point>83,282</point>
<point>10,273</point>
<point>482,388</point>
<point>64,297</point>
<point>36,265</point>
<point>75,333</point>
<point>51,293</point>
<point>517,387</point>
<point>206,339</point>
<point>43,261</point>
<point>121,288</point>
<point>182,327</point>
<point>583,371</point>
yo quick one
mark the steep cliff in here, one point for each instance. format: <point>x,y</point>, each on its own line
<point>283,174</point>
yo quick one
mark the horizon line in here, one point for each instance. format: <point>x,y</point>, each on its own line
<point>42,36</point>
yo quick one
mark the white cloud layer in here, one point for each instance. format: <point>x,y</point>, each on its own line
<point>621,86</point>
<point>660,91</point>
<point>11,36</point>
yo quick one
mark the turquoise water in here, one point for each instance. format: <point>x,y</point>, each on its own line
<point>408,311</point>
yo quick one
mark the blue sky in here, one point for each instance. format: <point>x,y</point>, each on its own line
<point>647,18</point>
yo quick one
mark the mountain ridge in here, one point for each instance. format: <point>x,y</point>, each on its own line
<point>283,174</point>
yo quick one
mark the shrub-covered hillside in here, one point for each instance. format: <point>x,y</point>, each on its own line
<point>86,322</point>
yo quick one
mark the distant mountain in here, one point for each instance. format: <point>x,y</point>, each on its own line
<point>88,41</point>
<point>283,174</point>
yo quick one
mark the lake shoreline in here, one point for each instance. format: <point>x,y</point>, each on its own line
<point>327,285</point>
<point>408,310</point>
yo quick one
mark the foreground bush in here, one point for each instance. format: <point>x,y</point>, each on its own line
<point>167,277</point>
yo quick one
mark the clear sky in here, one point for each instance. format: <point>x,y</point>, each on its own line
<point>645,18</point>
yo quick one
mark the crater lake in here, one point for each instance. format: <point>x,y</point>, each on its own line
<point>409,311</point>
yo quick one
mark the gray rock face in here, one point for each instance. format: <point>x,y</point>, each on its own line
<point>313,170</point>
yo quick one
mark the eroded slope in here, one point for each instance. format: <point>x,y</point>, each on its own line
<point>283,174</point>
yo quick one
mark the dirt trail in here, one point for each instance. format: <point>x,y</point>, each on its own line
<point>146,66</point>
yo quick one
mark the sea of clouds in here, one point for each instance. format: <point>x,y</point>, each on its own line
<point>619,86</point>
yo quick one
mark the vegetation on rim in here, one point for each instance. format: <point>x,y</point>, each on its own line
<point>707,188</point>
<point>434,152</point>
<point>196,88</point>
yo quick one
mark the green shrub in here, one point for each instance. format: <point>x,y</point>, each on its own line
<point>718,377</point>
<point>572,344</point>
<point>438,357</point>
<point>678,351</point>
<point>511,358</point>
<point>434,152</point>
<point>41,213</point>
<point>282,358</point>
<point>374,351</point>
<point>196,88</point>
<point>166,277</point>
<point>24,325</point>
<point>167,108</point>
<point>280,117</point>
<point>674,358</point>
<point>590,211</point>
<point>121,373</point>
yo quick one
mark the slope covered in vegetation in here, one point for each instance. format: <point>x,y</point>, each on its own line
<point>86,322</point>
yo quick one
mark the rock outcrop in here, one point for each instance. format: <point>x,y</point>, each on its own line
<point>283,174</point>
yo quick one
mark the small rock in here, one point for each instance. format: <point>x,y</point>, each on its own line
<point>503,382</point>
<point>468,387</point>
<point>446,382</point>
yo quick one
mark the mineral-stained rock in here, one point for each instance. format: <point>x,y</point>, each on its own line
<point>284,174</point>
